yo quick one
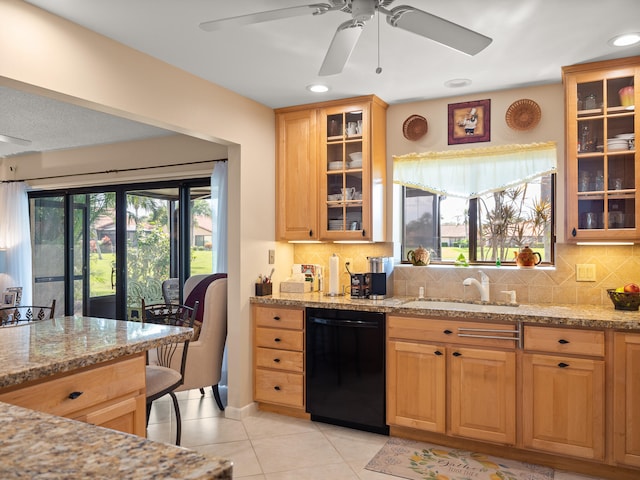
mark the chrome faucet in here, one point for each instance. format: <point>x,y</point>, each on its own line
<point>483,285</point>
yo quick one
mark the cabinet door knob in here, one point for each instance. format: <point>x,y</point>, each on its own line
<point>311,233</point>
<point>563,341</point>
<point>447,332</point>
<point>364,233</point>
<point>276,317</point>
<point>438,352</point>
<point>276,388</point>
<point>74,395</point>
<point>277,360</point>
<point>276,340</point>
<point>563,365</point>
<point>573,232</point>
<point>456,354</point>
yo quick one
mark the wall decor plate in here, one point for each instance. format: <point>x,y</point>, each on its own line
<point>523,114</point>
<point>415,127</point>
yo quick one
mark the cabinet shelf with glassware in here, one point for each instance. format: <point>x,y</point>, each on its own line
<point>602,174</point>
<point>352,162</point>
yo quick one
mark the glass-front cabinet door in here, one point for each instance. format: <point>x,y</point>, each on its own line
<point>602,174</point>
<point>345,185</point>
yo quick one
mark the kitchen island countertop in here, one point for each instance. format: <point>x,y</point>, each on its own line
<point>587,316</point>
<point>38,445</point>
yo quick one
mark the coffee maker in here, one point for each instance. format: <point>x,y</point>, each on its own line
<point>380,279</point>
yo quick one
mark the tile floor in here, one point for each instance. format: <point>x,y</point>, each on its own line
<point>267,446</point>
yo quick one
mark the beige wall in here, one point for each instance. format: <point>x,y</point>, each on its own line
<point>46,55</point>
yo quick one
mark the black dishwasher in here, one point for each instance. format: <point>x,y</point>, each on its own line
<point>345,368</point>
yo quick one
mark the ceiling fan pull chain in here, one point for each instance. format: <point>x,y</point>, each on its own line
<point>379,69</point>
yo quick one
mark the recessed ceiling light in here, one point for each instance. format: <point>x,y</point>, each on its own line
<point>457,82</point>
<point>317,88</point>
<point>625,40</point>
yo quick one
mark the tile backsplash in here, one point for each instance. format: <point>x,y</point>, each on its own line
<point>615,266</point>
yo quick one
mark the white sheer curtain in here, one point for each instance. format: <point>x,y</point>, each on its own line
<point>15,237</point>
<point>219,215</point>
<point>474,172</point>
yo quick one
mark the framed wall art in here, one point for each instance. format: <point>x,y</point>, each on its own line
<point>470,122</point>
<point>8,299</point>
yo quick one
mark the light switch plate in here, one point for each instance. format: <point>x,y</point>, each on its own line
<point>585,272</point>
<point>272,257</point>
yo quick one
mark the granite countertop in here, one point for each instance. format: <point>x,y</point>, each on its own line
<point>47,347</point>
<point>588,316</point>
<point>38,445</point>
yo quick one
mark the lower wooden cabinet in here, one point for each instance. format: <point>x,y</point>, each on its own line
<point>563,405</point>
<point>416,385</point>
<point>110,395</point>
<point>278,356</point>
<point>458,386</point>
<point>626,399</point>
<point>482,398</point>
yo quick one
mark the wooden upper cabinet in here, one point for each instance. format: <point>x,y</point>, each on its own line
<point>297,176</point>
<point>602,167</point>
<point>331,171</point>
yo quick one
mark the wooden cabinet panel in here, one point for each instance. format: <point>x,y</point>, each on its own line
<point>416,386</point>
<point>297,176</point>
<point>279,317</point>
<point>279,359</point>
<point>563,405</point>
<point>483,394</point>
<point>105,395</point>
<point>448,331</point>
<point>281,339</point>
<point>279,355</point>
<point>626,399</point>
<point>564,340</point>
<point>284,388</point>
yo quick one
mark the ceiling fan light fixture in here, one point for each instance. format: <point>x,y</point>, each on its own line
<point>318,88</point>
<point>458,82</point>
<point>625,40</point>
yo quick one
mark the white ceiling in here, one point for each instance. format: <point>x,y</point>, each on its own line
<point>273,62</point>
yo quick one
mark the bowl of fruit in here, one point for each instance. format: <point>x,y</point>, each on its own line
<point>625,298</point>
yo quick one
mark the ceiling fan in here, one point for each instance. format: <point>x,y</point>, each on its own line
<point>403,16</point>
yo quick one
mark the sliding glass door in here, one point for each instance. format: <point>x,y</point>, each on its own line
<point>101,252</point>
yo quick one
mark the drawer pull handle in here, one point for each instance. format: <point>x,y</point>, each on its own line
<point>456,354</point>
<point>276,339</point>
<point>447,332</point>
<point>276,388</point>
<point>276,317</point>
<point>563,341</point>
<point>277,360</point>
<point>563,365</point>
<point>74,395</point>
<point>438,352</point>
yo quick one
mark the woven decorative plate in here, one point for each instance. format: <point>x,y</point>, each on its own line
<point>523,114</point>
<point>414,127</point>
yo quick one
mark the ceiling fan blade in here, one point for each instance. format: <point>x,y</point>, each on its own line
<point>14,140</point>
<point>438,29</point>
<point>343,43</point>
<point>315,9</point>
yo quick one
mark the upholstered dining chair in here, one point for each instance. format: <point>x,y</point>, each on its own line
<point>20,314</point>
<point>161,378</point>
<point>206,353</point>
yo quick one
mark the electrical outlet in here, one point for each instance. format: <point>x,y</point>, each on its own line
<point>348,262</point>
<point>585,272</point>
<point>272,257</point>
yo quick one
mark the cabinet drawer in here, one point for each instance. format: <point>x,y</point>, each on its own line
<point>279,359</point>
<point>280,339</point>
<point>279,387</point>
<point>448,331</point>
<point>279,317</point>
<point>564,340</point>
<point>97,385</point>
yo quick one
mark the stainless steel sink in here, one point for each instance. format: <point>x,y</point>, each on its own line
<point>462,306</point>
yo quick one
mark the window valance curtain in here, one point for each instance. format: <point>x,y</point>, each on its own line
<point>470,173</point>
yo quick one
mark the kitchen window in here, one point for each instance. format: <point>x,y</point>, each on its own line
<point>478,206</point>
